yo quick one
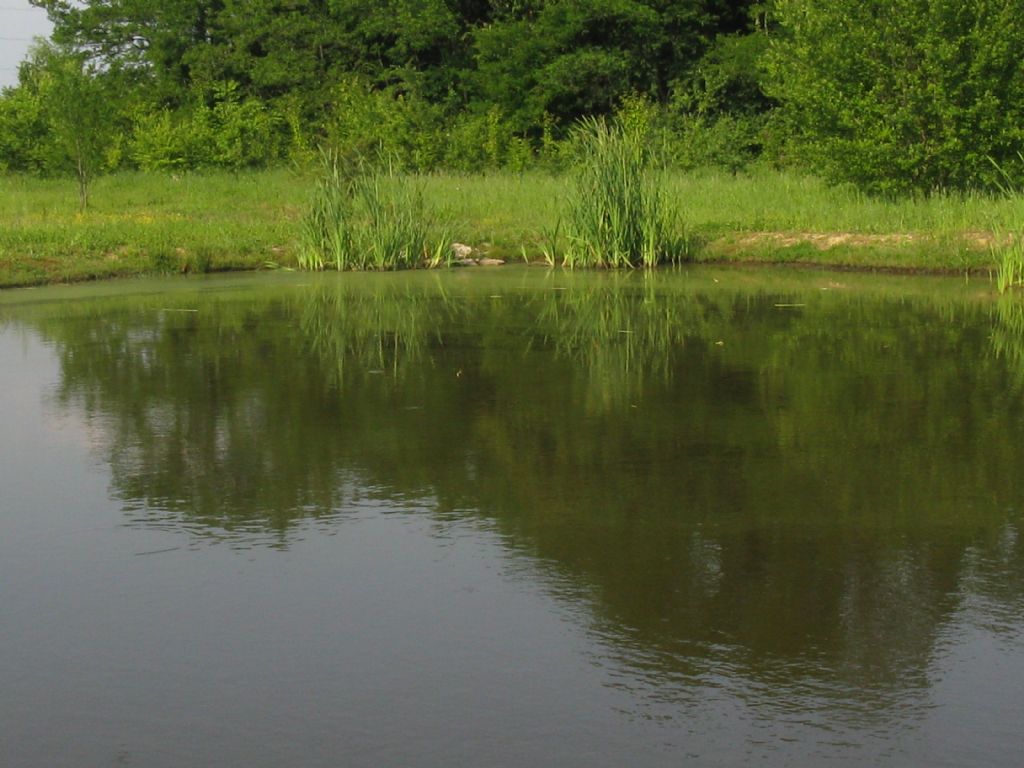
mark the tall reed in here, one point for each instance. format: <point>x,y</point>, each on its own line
<point>618,215</point>
<point>326,234</point>
<point>1009,256</point>
<point>364,216</point>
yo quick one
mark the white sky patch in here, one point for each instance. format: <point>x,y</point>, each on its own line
<point>19,24</point>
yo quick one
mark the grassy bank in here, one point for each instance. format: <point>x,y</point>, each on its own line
<point>153,223</point>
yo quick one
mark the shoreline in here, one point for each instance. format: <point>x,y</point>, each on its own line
<point>239,267</point>
<point>161,224</point>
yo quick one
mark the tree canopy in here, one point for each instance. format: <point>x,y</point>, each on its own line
<point>900,95</point>
<point>894,96</point>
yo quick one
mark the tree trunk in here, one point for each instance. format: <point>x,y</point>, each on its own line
<point>83,180</point>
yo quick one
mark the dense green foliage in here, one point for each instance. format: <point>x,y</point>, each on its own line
<point>461,84</point>
<point>914,95</point>
<point>900,95</point>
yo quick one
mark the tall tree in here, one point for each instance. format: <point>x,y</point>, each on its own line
<point>574,57</point>
<point>569,58</point>
<point>271,47</point>
<point>150,37</point>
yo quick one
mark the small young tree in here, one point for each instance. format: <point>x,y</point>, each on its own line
<point>80,116</point>
<point>903,95</point>
<point>74,110</point>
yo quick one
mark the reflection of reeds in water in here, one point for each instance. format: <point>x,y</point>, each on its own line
<point>621,332</point>
<point>617,334</point>
<point>1007,336</point>
<point>387,330</point>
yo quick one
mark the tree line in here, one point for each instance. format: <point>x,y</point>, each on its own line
<point>892,95</point>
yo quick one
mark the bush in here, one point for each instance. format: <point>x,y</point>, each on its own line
<point>22,124</point>
<point>160,143</point>
<point>478,142</point>
<point>732,142</point>
<point>219,130</point>
<point>365,122</point>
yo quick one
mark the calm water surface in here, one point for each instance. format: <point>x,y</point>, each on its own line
<point>512,518</point>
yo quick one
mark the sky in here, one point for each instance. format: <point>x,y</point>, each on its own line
<point>19,23</point>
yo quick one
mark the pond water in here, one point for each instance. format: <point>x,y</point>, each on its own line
<point>512,518</point>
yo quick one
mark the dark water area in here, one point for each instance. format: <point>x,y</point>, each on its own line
<point>512,518</point>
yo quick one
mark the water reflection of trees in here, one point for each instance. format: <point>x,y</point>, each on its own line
<point>826,470</point>
<point>810,478</point>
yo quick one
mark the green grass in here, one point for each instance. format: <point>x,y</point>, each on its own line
<point>151,223</point>
<point>146,223</point>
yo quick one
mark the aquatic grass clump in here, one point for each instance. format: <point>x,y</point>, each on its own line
<point>326,235</point>
<point>1009,257</point>
<point>618,215</point>
<point>364,217</point>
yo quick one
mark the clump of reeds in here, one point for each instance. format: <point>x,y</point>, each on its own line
<point>618,215</point>
<point>1009,256</point>
<point>363,216</point>
<point>326,236</point>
